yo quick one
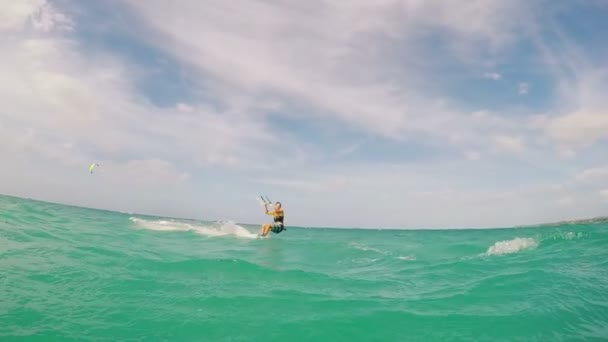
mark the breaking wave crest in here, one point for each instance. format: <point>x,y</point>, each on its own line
<point>511,246</point>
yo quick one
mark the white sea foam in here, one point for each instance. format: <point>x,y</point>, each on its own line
<point>214,229</point>
<point>511,246</point>
<point>567,236</point>
<point>363,247</point>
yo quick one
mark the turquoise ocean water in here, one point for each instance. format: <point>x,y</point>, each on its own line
<point>74,274</point>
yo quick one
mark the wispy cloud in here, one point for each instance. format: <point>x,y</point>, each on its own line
<point>356,102</point>
<point>509,143</point>
<point>579,128</point>
<point>523,88</point>
<point>472,155</point>
<point>594,174</point>
<point>65,96</point>
<point>492,76</point>
<point>282,43</point>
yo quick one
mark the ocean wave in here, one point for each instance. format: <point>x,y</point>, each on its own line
<point>365,248</point>
<point>511,246</point>
<point>211,230</point>
<point>566,236</point>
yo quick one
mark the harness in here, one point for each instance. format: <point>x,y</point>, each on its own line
<point>278,220</point>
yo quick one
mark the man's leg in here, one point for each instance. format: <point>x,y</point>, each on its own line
<point>265,229</point>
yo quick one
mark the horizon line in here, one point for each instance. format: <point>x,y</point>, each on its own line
<point>531,225</point>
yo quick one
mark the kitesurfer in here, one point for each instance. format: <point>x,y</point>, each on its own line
<point>277,226</point>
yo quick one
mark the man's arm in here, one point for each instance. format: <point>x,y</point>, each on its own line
<point>269,212</point>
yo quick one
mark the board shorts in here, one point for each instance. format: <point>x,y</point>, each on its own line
<point>277,228</point>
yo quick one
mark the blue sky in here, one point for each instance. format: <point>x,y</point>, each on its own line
<point>401,114</point>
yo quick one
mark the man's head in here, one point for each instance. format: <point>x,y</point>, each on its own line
<point>277,205</point>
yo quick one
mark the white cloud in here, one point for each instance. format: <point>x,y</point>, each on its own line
<point>15,14</point>
<point>412,193</point>
<point>143,172</point>
<point>329,184</point>
<point>566,201</point>
<point>579,129</point>
<point>566,153</point>
<point>472,155</point>
<point>492,76</point>
<point>593,174</point>
<point>64,107</point>
<point>509,143</point>
<point>523,88</point>
<point>64,96</point>
<point>47,18</point>
<point>350,149</point>
<point>579,118</point>
<point>314,61</point>
<point>312,55</point>
<point>182,107</point>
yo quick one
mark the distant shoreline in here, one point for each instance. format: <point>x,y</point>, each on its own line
<point>597,219</point>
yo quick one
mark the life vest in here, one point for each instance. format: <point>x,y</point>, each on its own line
<point>278,217</point>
